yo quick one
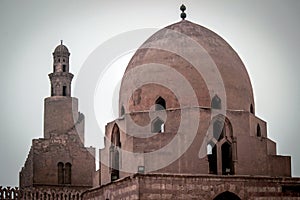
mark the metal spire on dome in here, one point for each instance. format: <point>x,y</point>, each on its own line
<point>61,42</point>
<point>183,14</point>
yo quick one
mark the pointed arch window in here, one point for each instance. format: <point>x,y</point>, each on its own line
<point>251,109</point>
<point>157,126</point>
<point>64,68</point>
<point>212,158</point>
<point>64,91</point>
<point>114,153</point>
<point>258,131</point>
<point>115,136</point>
<point>221,147</point>
<point>216,102</point>
<point>60,173</point>
<point>68,173</point>
<point>218,130</point>
<point>227,163</point>
<point>160,104</point>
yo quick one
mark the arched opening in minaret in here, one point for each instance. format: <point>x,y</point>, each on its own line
<point>64,91</point>
<point>227,196</point>
<point>212,158</point>
<point>218,130</point>
<point>114,153</point>
<point>52,90</point>
<point>227,163</point>
<point>216,102</point>
<point>60,173</point>
<point>258,131</point>
<point>64,68</point>
<point>68,173</point>
<point>157,126</point>
<point>160,104</point>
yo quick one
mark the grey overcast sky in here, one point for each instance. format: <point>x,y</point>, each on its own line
<point>264,33</point>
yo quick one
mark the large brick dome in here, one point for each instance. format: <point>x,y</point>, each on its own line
<point>188,51</point>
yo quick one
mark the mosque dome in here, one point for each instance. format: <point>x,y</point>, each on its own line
<point>204,59</point>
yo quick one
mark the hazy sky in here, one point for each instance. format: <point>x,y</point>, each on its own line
<point>264,33</point>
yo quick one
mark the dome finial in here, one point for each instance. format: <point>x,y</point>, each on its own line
<point>61,42</point>
<point>183,14</point>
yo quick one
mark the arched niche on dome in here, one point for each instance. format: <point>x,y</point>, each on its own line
<point>216,102</point>
<point>160,103</point>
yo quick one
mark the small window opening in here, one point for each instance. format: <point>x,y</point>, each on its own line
<point>227,164</point>
<point>216,102</point>
<point>122,111</point>
<point>115,174</point>
<point>68,173</point>
<point>251,109</point>
<point>157,126</point>
<point>212,158</point>
<point>258,131</point>
<point>64,68</point>
<point>160,104</point>
<point>60,172</point>
<point>64,90</point>
<point>52,90</point>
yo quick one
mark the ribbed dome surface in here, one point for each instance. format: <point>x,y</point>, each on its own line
<point>61,48</point>
<point>178,37</point>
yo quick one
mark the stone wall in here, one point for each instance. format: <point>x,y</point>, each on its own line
<point>251,154</point>
<point>26,173</point>
<point>167,186</point>
<point>63,148</point>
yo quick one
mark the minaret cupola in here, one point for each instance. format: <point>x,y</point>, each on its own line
<point>61,78</point>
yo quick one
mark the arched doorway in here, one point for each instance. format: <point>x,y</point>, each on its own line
<point>227,196</point>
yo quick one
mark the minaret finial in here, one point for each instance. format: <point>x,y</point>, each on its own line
<point>61,42</point>
<point>183,14</point>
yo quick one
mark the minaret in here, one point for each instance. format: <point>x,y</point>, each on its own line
<point>61,78</point>
<point>61,109</point>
